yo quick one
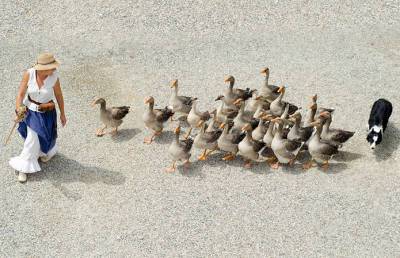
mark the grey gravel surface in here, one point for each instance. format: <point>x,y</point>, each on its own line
<point>111,197</point>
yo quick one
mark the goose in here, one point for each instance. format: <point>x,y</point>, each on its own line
<point>180,104</point>
<point>256,103</point>
<point>206,140</point>
<point>328,133</point>
<point>154,119</point>
<point>277,106</point>
<point>223,112</point>
<point>231,94</point>
<point>179,150</point>
<point>243,117</point>
<point>285,150</point>
<point>268,91</point>
<point>313,110</point>
<point>111,117</point>
<point>252,150</point>
<point>297,132</point>
<point>229,140</point>
<point>195,116</point>
<point>320,150</point>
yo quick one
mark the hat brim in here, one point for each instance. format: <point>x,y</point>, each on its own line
<point>41,67</point>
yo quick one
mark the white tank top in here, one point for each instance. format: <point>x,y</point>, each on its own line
<point>43,94</point>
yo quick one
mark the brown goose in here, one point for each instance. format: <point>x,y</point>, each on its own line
<point>180,150</point>
<point>313,110</point>
<point>297,132</point>
<point>206,140</point>
<point>252,150</point>
<point>243,117</point>
<point>285,150</point>
<point>229,140</point>
<point>195,116</point>
<point>231,94</point>
<point>111,117</point>
<point>154,119</point>
<point>180,104</point>
<point>320,150</point>
<point>277,106</point>
<point>268,91</point>
<point>328,133</point>
<point>256,103</point>
<point>223,112</point>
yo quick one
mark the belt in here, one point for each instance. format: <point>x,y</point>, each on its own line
<point>34,105</point>
<point>35,102</point>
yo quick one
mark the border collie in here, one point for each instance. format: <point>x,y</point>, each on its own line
<point>378,120</point>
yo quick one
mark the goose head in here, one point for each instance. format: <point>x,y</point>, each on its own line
<point>174,83</point>
<point>282,89</point>
<point>149,100</point>
<point>247,128</point>
<point>177,130</point>
<point>97,101</point>
<point>230,79</point>
<point>265,71</point>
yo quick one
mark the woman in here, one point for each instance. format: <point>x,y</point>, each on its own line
<point>39,86</point>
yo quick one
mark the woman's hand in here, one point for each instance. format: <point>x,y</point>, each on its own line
<point>63,119</point>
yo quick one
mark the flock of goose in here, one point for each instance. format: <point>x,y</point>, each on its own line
<point>255,124</point>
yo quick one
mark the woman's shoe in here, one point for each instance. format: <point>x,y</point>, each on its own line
<point>22,177</point>
<point>45,159</point>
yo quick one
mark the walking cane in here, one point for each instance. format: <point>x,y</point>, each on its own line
<point>20,116</point>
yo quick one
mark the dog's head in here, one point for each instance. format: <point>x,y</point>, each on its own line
<point>374,136</point>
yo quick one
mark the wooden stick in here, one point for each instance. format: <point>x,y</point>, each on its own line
<point>11,132</point>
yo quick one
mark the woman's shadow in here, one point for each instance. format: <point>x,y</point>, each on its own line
<point>389,144</point>
<point>62,170</point>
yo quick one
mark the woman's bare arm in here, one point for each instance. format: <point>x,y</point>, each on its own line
<point>22,90</point>
<point>60,101</point>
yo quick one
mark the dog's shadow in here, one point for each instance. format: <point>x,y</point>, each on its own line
<point>62,170</point>
<point>389,144</point>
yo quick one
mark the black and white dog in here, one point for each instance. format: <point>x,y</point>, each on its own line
<point>378,120</point>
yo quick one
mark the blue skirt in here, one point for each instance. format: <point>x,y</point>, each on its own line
<point>44,124</point>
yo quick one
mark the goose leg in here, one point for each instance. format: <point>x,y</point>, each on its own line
<point>308,165</point>
<point>248,164</point>
<point>114,132</point>
<point>150,139</point>
<point>271,161</point>
<point>229,156</point>
<point>186,165</point>
<point>172,168</point>
<point>275,165</point>
<point>188,133</point>
<point>203,155</point>
<point>325,166</point>
<point>100,132</point>
<point>208,153</point>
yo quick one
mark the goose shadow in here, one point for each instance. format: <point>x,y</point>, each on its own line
<point>125,134</point>
<point>62,170</point>
<point>297,168</point>
<point>304,157</point>
<point>165,138</point>
<point>389,144</point>
<point>347,156</point>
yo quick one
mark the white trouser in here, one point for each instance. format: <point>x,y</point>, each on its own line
<point>27,161</point>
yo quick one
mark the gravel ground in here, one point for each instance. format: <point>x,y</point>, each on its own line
<point>110,196</point>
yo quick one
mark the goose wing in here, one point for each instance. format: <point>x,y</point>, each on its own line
<point>117,113</point>
<point>162,115</point>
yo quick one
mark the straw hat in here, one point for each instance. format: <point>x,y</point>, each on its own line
<point>46,61</point>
